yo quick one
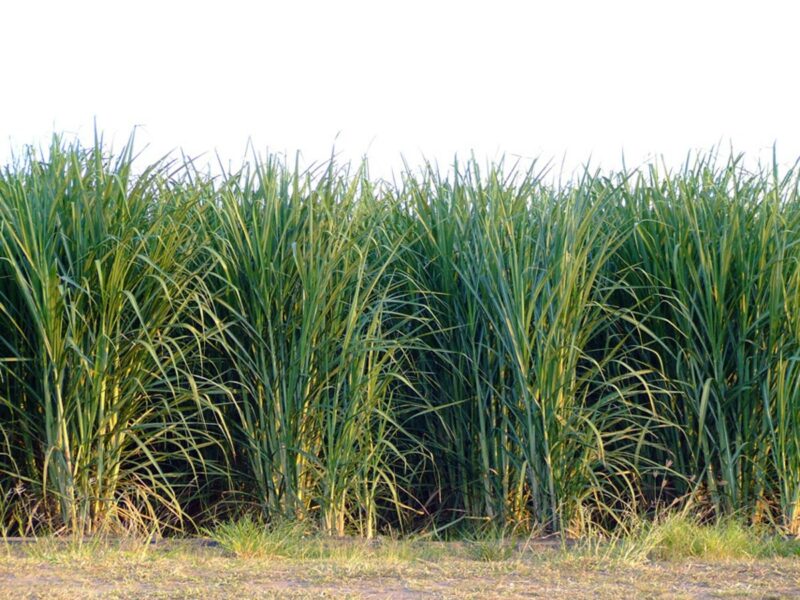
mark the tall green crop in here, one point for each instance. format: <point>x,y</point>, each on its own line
<point>477,345</point>
<point>316,341</point>
<point>104,312</point>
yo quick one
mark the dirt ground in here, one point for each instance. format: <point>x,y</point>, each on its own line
<point>45,572</point>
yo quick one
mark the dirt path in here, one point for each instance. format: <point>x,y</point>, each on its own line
<point>208,575</point>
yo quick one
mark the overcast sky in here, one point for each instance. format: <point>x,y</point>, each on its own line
<point>413,78</point>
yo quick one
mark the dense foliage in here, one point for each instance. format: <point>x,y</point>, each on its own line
<point>318,345</point>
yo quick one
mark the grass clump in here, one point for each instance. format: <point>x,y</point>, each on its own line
<point>489,542</point>
<point>251,538</point>
<point>492,550</point>
<point>248,537</point>
<point>681,537</point>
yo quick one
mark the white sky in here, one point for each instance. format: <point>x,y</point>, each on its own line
<point>415,78</point>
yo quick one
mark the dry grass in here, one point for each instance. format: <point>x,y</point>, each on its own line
<point>387,569</point>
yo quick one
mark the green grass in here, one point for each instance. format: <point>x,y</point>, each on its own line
<point>249,538</point>
<point>679,538</point>
<point>315,347</point>
<point>682,536</point>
